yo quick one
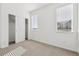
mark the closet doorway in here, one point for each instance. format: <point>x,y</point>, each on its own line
<point>26,29</point>
<point>11,29</point>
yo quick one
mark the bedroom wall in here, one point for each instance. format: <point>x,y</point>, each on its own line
<point>46,31</point>
<point>78,27</point>
<point>0,25</point>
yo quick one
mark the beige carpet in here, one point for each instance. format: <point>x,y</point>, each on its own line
<point>38,49</point>
<point>16,52</point>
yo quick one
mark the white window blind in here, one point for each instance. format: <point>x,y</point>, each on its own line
<point>34,22</point>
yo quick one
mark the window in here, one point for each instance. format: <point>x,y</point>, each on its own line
<point>34,22</point>
<point>64,18</point>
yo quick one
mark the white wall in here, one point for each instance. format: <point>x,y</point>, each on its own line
<point>0,25</point>
<point>78,28</point>
<point>20,13</point>
<point>46,31</point>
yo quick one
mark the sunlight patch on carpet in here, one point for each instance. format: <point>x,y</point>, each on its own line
<point>16,52</point>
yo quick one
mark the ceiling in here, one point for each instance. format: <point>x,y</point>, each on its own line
<point>32,6</point>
